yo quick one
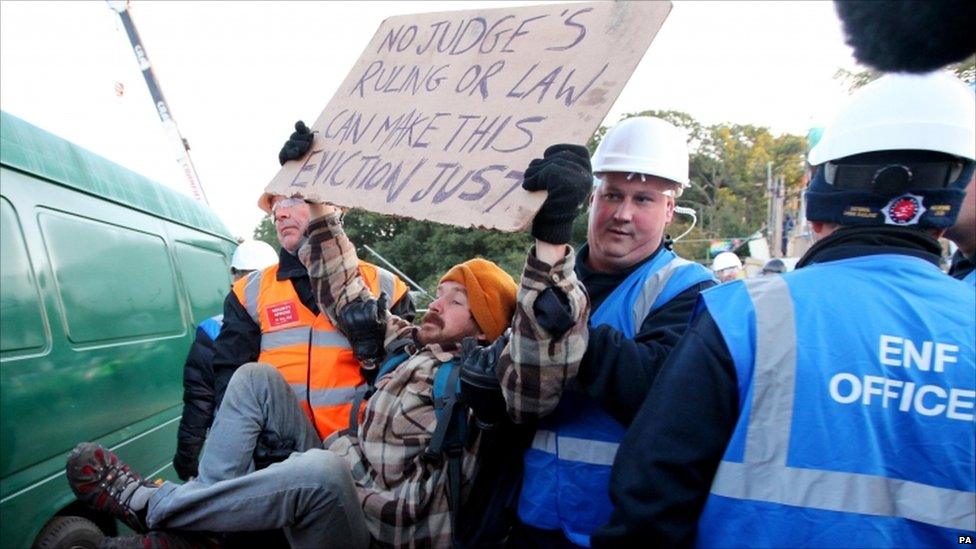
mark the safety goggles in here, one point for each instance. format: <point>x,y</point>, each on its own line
<point>917,175</point>
<point>286,203</point>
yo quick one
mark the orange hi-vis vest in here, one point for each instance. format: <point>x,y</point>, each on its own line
<point>314,357</point>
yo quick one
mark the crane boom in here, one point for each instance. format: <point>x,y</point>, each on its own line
<point>180,145</point>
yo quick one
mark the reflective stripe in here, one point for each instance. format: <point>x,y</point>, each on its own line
<point>386,284</point>
<point>545,440</point>
<point>653,286</point>
<point>764,475</point>
<point>846,492</point>
<point>584,450</point>
<point>580,450</point>
<point>330,338</point>
<point>299,336</point>
<point>774,380</point>
<point>329,397</point>
<point>251,290</point>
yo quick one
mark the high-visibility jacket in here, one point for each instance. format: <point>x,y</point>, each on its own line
<point>314,357</point>
<point>567,469</point>
<point>970,278</point>
<point>856,426</point>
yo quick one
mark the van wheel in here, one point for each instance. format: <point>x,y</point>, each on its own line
<point>69,533</point>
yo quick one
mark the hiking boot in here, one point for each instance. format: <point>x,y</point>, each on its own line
<point>161,539</point>
<point>100,480</point>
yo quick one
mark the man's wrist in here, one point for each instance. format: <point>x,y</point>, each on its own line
<point>319,209</point>
<point>550,253</point>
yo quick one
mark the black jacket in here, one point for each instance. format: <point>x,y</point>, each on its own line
<point>618,371</point>
<point>666,462</point>
<point>197,405</point>
<point>209,368</point>
<point>960,265</point>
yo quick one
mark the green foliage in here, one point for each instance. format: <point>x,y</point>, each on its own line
<point>728,165</point>
<point>854,80</point>
<point>964,70</point>
<point>425,250</point>
<point>265,231</point>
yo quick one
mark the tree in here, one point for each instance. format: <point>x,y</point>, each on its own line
<point>727,170</point>
<point>265,232</point>
<point>424,250</point>
<point>964,70</point>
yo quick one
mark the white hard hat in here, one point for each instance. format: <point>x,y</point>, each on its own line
<point>928,112</point>
<point>644,145</point>
<point>253,255</point>
<point>726,260</point>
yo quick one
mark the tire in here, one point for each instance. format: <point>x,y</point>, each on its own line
<point>69,533</point>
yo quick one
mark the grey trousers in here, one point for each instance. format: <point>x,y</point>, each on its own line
<point>310,494</point>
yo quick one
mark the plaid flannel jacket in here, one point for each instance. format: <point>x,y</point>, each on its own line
<point>404,498</point>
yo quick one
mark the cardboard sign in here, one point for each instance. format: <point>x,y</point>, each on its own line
<point>443,111</point>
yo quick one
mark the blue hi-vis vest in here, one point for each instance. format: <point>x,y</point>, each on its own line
<point>567,469</point>
<point>970,278</point>
<point>211,326</point>
<point>856,426</point>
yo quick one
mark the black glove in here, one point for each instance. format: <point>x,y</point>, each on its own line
<point>480,388</point>
<point>565,172</point>
<point>297,145</point>
<point>186,460</point>
<point>364,323</point>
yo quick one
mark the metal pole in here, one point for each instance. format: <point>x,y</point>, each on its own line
<point>769,204</point>
<point>777,220</point>
<point>397,271</point>
<point>181,147</point>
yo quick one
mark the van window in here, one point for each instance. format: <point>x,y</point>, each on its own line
<point>135,298</point>
<point>207,279</point>
<point>20,315</point>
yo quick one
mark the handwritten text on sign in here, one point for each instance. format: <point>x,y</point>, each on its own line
<point>443,111</point>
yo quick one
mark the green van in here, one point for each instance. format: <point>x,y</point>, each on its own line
<point>104,275</point>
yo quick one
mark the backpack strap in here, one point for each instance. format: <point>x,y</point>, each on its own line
<point>449,434</point>
<point>396,356</point>
<point>447,391</point>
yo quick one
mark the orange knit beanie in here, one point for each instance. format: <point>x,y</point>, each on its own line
<point>491,294</point>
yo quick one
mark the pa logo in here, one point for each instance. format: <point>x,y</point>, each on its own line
<point>904,210</point>
<point>964,540</point>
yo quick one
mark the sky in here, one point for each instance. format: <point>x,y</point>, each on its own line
<point>237,75</point>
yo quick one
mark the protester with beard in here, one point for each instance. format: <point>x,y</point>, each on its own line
<point>374,481</point>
